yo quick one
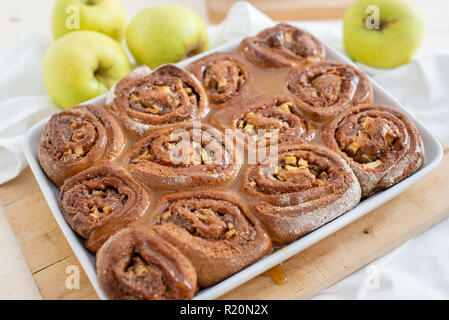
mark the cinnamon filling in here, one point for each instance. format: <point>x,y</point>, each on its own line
<point>293,40</point>
<point>147,275</point>
<point>323,88</point>
<point>297,172</point>
<point>276,119</point>
<point>72,139</point>
<point>163,97</point>
<point>184,151</point>
<point>369,140</point>
<point>224,76</point>
<point>99,202</point>
<point>206,218</point>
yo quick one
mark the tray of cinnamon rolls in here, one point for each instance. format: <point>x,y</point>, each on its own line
<point>185,181</point>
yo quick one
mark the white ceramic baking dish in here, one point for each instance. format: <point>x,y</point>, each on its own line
<point>433,157</point>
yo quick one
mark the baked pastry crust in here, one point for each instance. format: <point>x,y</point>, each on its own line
<point>136,263</point>
<point>225,77</point>
<point>166,96</point>
<point>299,190</point>
<point>101,200</point>
<point>184,155</point>
<point>260,119</point>
<point>213,229</point>
<point>222,220</point>
<point>324,89</point>
<point>380,144</point>
<point>76,139</point>
<point>282,46</point>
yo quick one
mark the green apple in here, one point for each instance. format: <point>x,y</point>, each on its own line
<point>105,16</point>
<point>82,65</point>
<point>166,33</point>
<point>390,42</point>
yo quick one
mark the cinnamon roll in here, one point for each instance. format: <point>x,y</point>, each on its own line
<point>299,190</point>
<point>100,200</point>
<point>184,155</point>
<point>261,119</point>
<point>168,95</point>
<point>380,143</point>
<point>324,89</point>
<point>136,264</point>
<point>213,229</point>
<point>282,46</point>
<point>76,139</point>
<point>225,76</point>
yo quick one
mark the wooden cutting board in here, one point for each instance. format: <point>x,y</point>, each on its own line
<point>309,272</point>
<point>283,9</point>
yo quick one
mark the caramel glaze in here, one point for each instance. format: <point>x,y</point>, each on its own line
<point>277,274</point>
<point>264,82</point>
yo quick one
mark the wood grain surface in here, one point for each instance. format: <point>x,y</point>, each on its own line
<point>283,9</point>
<point>309,272</point>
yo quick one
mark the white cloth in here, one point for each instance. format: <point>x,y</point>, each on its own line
<point>23,100</point>
<point>415,270</point>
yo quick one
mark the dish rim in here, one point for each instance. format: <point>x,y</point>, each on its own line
<point>87,259</point>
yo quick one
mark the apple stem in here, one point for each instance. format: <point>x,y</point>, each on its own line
<point>103,77</point>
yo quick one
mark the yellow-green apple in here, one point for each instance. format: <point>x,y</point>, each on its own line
<point>166,33</point>
<point>383,33</point>
<point>82,65</point>
<point>105,16</point>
